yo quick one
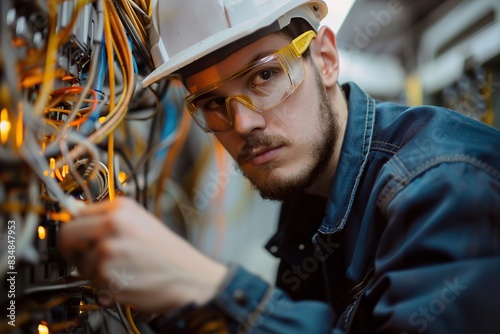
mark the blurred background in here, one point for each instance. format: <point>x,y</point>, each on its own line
<point>75,124</point>
<point>442,52</point>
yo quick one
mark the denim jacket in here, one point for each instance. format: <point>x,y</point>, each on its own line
<point>407,242</point>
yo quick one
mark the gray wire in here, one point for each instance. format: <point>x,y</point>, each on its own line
<point>141,12</point>
<point>123,319</point>
<point>57,287</point>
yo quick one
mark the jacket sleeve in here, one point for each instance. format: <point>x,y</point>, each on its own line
<point>253,306</point>
<point>437,268</point>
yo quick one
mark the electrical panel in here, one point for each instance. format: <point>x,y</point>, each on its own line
<point>459,58</point>
<point>76,127</point>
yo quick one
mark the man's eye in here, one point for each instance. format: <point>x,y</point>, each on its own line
<point>215,104</point>
<point>262,77</point>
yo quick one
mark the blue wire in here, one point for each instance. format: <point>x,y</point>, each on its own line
<point>136,69</point>
<point>170,124</point>
<point>102,72</point>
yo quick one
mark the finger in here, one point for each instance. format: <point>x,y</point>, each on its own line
<point>87,263</point>
<point>82,233</point>
<point>103,207</point>
<point>97,208</point>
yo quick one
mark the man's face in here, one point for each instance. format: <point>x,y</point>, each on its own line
<point>282,150</point>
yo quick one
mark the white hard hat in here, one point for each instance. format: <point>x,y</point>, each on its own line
<point>184,31</point>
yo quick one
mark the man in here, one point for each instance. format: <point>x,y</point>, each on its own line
<point>390,221</point>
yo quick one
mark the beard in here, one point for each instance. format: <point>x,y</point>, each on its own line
<point>283,188</point>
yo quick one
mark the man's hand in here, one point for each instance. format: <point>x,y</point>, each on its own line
<point>133,257</point>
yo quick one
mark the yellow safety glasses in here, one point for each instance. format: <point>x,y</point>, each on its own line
<point>263,83</point>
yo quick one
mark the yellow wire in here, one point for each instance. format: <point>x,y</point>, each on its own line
<point>119,44</point>
<point>111,166</point>
<point>19,127</point>
<point>135,20</point>
<point>150,8</point>
<point>128,313</point>
<point>30,79</point>
<point>111,142</point>
<point>142,4</point>
<point>109,51</point>
<point>124,55</point>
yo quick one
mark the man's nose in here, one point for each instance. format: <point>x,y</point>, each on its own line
<point>246,117</point>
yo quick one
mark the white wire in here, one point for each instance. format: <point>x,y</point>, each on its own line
<point>31,223</point>
<point>38,163</point>
<point>57,286</point>
<point>26,232</point>
<point>140,11</point>
<point>78,139</point>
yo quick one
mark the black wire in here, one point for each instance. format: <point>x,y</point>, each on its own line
<point>162,89</point>
<point>142,49</point>
<point>154,125</point>
<point>127,161</point>
<point>156,108</point>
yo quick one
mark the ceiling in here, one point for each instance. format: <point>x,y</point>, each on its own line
<point>390,27</point>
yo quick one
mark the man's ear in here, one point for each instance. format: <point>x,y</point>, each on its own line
<point>325,55</point>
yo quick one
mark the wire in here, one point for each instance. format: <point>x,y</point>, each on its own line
<point>169,161</point>
<point>131,322</point>
<point>145,159</point>
<point>130,167</point>
<point>29,228</point>
<point>63,108</point>
<point>123,320</point>
<point>31,153</point>
<point>74,171</point>
<point>139,27</point>
<point>72,115</point>
<point>58,286</point>
<point>111,168</point>
<point>98,33</point>
<point>124,53</point>
<point>142,48</point>
<point>165,143</point>
<point>53,42</point>
<point>50,60</point>
<point>109,51</point>
<point>141,12</point>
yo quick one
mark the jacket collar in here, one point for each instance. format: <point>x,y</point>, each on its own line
<point>353,156</point>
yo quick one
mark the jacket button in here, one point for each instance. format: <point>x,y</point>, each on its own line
<point>273,249</point>
<point>240,297</point>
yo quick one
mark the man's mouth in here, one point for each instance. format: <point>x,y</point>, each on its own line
<point>261,155</point>
<point>260,150</point>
